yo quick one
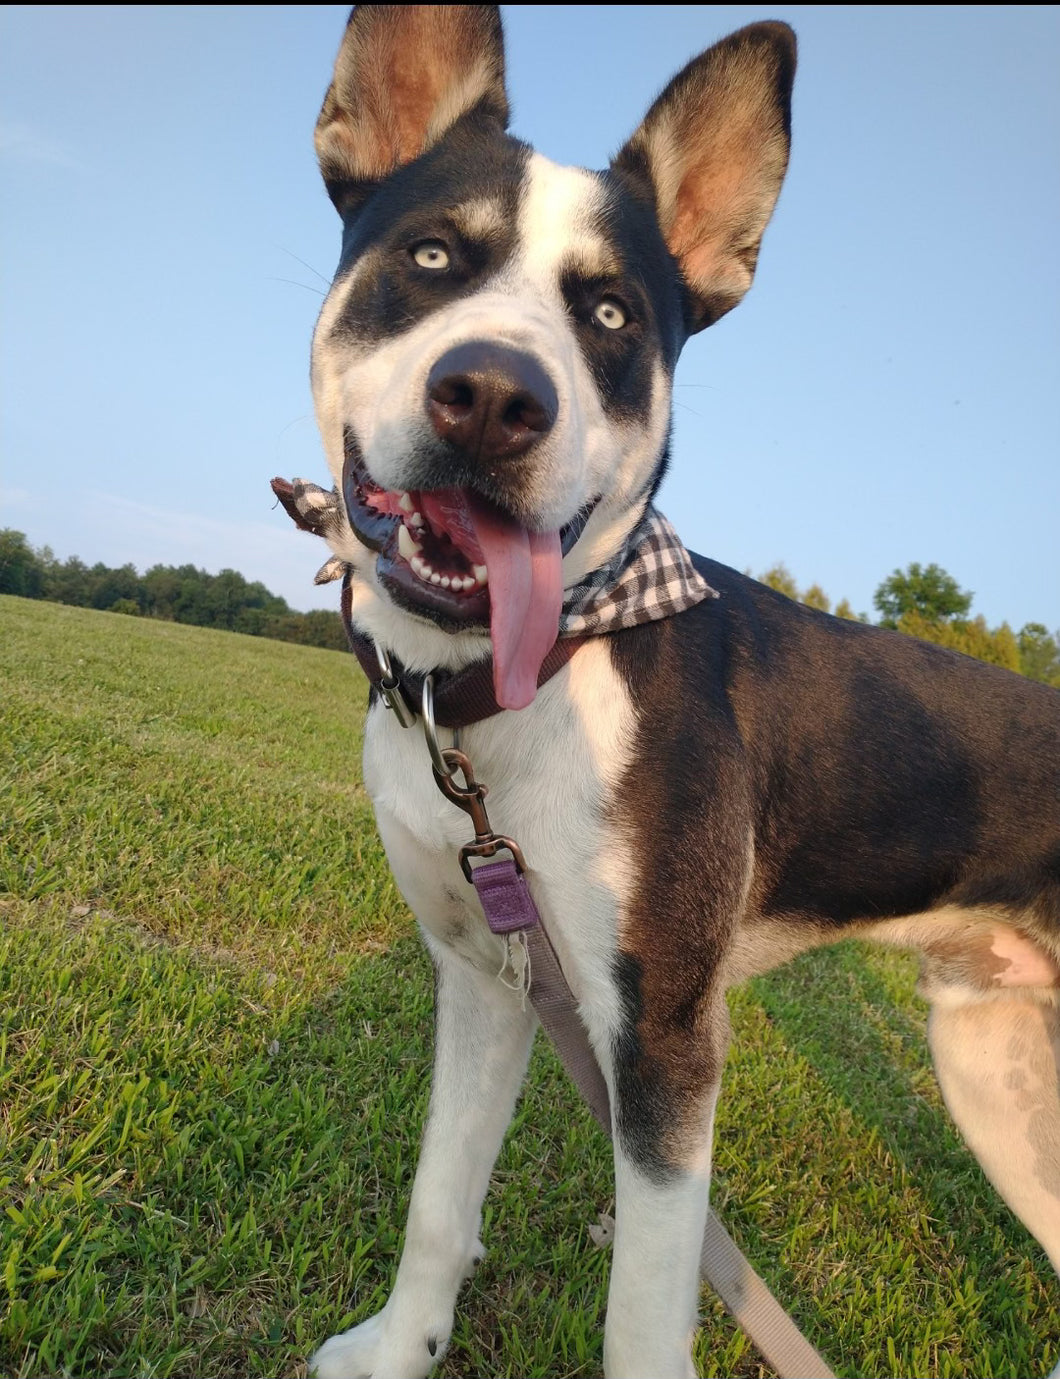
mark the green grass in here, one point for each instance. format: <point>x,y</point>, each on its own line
<point>215,1049</point>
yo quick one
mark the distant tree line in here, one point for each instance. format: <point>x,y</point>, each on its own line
<point>926,602</point>
<point>922,601</point>
<point>174,593</point>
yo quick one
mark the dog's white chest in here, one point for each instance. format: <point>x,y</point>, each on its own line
<point>550,772</point>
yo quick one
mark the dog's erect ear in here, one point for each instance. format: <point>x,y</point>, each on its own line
<point>714,147</point>
<point>404,75</point>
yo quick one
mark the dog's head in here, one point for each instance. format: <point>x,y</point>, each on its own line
<point>492,367</point>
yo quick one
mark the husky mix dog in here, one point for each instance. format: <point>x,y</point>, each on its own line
<point>703,783</point>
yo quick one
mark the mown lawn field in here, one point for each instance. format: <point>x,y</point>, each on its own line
<point>215,1033</point>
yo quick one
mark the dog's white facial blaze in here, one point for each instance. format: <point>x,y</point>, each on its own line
<point>600,455</point>
<point>379,391</point>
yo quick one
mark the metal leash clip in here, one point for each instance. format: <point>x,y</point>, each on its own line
<point>390,690</point>
<point>470,797</point>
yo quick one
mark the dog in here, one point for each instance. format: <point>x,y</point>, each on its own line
<point>706,778</point>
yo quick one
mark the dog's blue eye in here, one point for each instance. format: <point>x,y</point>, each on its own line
<point>432,253</point>
<point>610,314</point>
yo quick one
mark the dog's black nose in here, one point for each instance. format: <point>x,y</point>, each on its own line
<point>492,401</point>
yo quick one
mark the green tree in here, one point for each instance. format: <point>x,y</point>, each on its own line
<point>175,593</point>
<point>780,578</point>
<point>21,568</point>
<point>815,597</point>
<point>969,635</point>
<point>928,591</point>
<point>1039,653</point>
<point>106,586</point>
<point>317,628</point>
<point>67,581</point>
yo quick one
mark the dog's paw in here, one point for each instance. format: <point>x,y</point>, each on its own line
<point>370,1350</point>
<point>350,1355</point>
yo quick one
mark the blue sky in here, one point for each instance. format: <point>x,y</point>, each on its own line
<point>887,392</point>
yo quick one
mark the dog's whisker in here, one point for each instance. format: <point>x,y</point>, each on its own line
<point>292,283</point>
<point>315,272</point>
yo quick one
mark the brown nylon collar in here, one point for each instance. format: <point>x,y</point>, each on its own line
<point>461,698</point>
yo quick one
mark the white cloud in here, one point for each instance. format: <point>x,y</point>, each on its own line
<point>17,500</point>
<point>23,144</point>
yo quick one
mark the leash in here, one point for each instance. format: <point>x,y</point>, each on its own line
<point>510,912</point>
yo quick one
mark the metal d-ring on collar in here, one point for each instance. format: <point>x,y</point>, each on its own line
<point>430,731</point>
<point>393,697</point>
<point>390,689</point>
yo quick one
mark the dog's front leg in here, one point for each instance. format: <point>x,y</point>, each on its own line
<point>665,1096</point>
<point>482,1043</point>
<point>652,1305</point>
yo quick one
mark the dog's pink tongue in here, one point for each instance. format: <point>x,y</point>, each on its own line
<point>525,571</point>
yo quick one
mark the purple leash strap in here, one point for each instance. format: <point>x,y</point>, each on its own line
<point>509,908</point>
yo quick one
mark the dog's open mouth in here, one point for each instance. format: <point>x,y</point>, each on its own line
<point>452,554</point>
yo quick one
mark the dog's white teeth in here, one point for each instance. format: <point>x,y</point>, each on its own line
<point>406,543</point>
<point>415,519</point>
<point>405,503</point>
<point>459,584</point>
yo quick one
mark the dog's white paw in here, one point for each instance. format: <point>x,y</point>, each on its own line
<point>350,1355</point>
<point>373,1351</point>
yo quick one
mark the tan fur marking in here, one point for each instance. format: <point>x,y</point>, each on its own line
<point>975,949</point>
<point>759,945</point>
<point>478,219</point>
<point>593,258</point>
<point>982,950</point>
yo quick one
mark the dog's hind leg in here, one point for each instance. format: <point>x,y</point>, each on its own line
<point>482,1044</point>
<point>997,1057</point>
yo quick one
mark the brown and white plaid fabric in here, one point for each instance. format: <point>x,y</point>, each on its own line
<point>651,577</point>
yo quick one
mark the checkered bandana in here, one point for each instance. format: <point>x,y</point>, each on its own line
<point>650,577</point>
